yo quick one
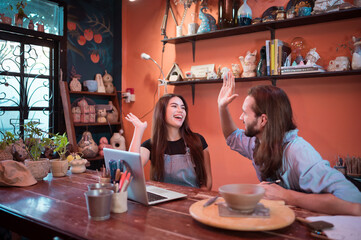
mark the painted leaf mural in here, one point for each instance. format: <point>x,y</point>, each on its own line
<point>90,37</point>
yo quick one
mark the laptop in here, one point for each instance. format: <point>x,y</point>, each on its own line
<point>138,191</point>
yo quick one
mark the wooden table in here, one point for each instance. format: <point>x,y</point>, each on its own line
<point>56,207</point>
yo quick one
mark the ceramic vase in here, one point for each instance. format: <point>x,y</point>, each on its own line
<point>59,168</point>
<point>118,141</point>
<point>244,14</point>
<point>113,115</point>
<point>87,145</point>
<point>39,169</point>
<point>75,85</point>
<point>261,67</point>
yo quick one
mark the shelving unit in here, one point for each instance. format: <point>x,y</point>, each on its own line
<point>267,26</point>
<point>71,126</point>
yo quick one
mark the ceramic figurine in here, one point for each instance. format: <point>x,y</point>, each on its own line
<point>208,22</point>
<point>118,141</point>
<point>31,25</point>
<point>339,64</point>
<point>108,82</point>
<point>76,114</point>
<point>112,116</point>
<point>87,145</point>
<point>92,114</point>
<point>236,70</point>
<point>312,57</point>
<point>99,79</point>
<point>101,115</point>
<point>75,85</point>
<point>249,64</point>
<point>211,75</point>
<point>356,56</point>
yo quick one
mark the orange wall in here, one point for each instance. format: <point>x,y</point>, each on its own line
<point>327,110</point>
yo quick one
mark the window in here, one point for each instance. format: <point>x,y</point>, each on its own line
<point>26,84</point>
<point>30,65</point>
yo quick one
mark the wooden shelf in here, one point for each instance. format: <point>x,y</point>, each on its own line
<point>96,124</point>
<point>71,126</point>
<point>273,77</point>
<point>92,93</point>
<point>267,26</point>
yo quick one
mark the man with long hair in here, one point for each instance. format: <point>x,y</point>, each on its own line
<point>270,140</point>
<point>177,154</point>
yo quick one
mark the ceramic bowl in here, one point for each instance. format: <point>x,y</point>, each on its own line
<point>242,197</point>
<point>91,85</point>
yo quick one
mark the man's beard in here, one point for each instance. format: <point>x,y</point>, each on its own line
<point>250,130</point>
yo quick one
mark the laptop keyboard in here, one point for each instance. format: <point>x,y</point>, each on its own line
<point>154,197</point>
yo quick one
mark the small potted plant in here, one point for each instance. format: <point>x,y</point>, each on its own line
<point>35,144</point>
<point>59,167</point>
<point>21,14</point>
<point>8,139</point>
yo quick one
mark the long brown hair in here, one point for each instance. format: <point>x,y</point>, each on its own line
<point>159,141</point>
<point>273,102</point>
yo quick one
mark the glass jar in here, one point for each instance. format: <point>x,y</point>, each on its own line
<point>227,13</point>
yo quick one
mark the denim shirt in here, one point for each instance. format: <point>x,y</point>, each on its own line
<point>303,168</point>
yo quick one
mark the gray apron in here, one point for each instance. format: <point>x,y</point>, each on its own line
<point>179,169</point>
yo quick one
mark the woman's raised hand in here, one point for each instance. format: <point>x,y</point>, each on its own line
<point>227,95</point>
<point>136,122</point>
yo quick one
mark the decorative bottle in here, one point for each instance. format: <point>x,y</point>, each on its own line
<point>244,14</point>
<point>227,13</point>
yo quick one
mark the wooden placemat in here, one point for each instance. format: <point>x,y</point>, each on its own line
<point>280,217</point>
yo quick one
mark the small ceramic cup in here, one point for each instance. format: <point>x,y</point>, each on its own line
<point>119,202</point>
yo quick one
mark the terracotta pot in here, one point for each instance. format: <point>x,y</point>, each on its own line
<point>59,168</point>
<point>39,169</point>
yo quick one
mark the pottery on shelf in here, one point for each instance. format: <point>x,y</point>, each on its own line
<point>99,79</point>
<point>90,85</point>
<point>75,85</point>
<point>113,115</point>
<point>87,145</point>
<point>118,141</point>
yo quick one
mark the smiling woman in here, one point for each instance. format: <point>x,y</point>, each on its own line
<point>177,154</point>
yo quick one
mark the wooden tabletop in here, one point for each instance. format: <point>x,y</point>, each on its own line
<point>56,207</point>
